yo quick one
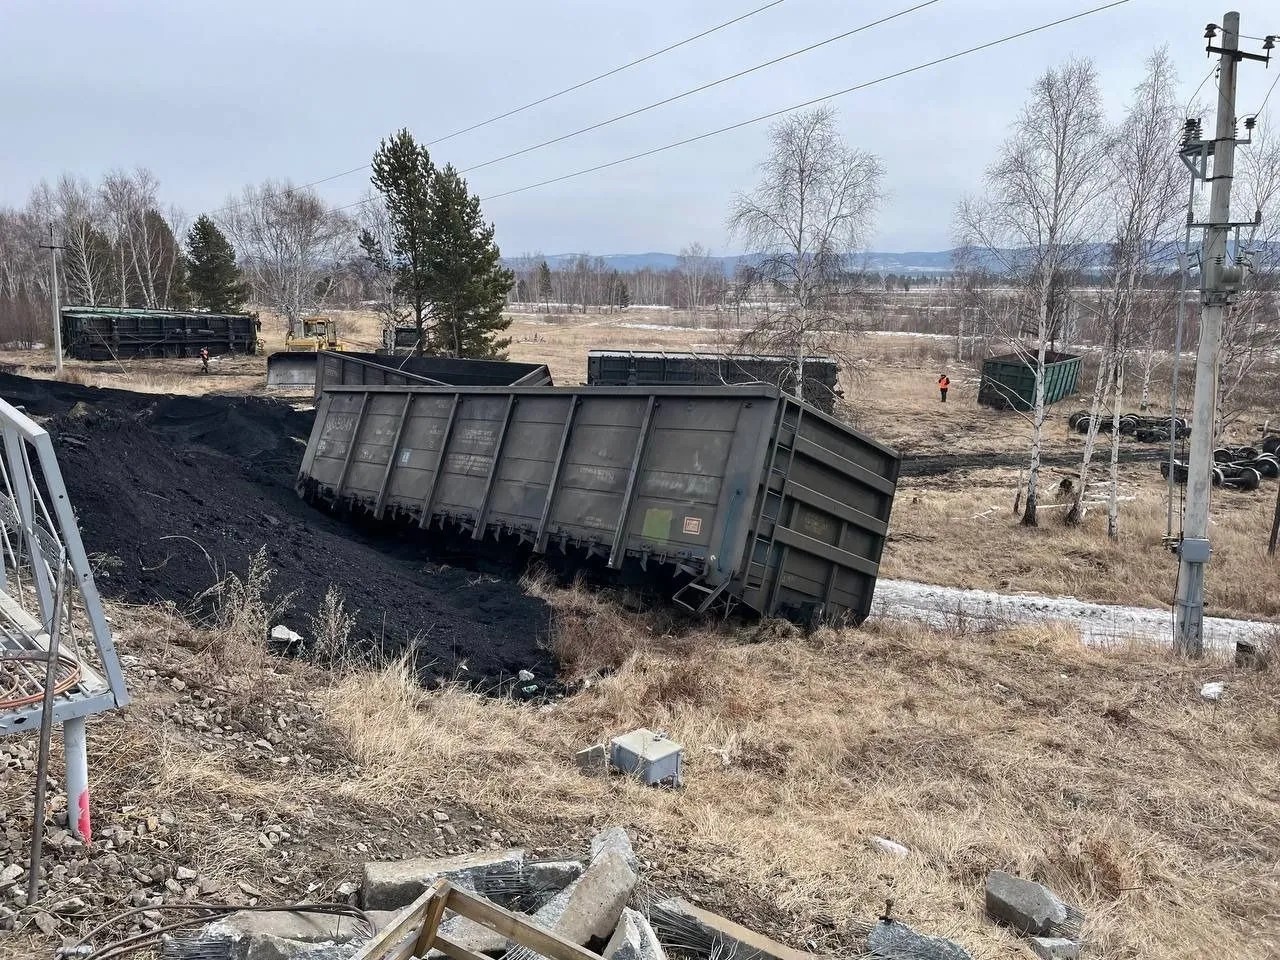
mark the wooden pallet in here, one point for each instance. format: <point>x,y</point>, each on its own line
<point>415,930</point>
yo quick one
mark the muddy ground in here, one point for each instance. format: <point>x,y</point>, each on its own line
<point>173,492</point>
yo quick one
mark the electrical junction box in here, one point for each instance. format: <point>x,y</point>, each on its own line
<point>647,755</point>
<point>1194,550</point>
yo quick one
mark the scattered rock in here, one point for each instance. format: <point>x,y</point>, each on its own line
<point>439,816</point>
<point>525,676</point>
<point>281,634</point>
<point>10,874</point>
<point>892,940</point>
<point>1024,905</point>
<point>1055,948</point>
<point>186,874</point>
<point>890,847</point>
<point>46,924</point>
<point>634,939</point>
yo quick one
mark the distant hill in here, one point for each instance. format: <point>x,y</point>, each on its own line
<point>912,262</point>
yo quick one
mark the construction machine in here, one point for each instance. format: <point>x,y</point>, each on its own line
<point>318,333</point>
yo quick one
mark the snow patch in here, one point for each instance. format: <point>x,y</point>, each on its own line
<point>1100,624</point>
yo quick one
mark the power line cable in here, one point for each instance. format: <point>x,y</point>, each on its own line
<point>699,89</point>
<point>1270,90</point>
<point>607,73</point>
<point>533,103</point>
<point>808,103</point>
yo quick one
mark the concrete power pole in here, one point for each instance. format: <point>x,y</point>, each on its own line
<point>1219,279</point>
<point>53,249</point>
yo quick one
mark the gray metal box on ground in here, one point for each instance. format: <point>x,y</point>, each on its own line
<point>648,755</point>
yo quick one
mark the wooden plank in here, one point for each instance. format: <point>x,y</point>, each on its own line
<point>740,942</point>
<point>431,915</point>
<point>457,951</point>
<point>514,927</point>
<point>399,933</point>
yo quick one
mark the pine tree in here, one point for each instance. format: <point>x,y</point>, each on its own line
<point>544,284</point>
<point>404,175</point>
<point>624,294</point>
<point>468,283</point>
<point>212,277</point>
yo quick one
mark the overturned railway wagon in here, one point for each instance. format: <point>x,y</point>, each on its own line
<point>722,495</point>
<point>315,371</point>
<point>651,367</point>
<point>105,333</point>
<point>1009,381</point>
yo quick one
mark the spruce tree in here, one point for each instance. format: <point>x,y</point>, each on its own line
<point>544,284</point>
<point>468,283</point>
<point>212,277</point>
<point>404,175</point>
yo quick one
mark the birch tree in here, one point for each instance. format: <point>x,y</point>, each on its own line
<point>813,207</point>
<point>1143,202</point>
<point>696,265</point>
<point>1040,207</point>
<point>288,241</point>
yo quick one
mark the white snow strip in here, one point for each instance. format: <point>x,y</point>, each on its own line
<point>1099,623</point>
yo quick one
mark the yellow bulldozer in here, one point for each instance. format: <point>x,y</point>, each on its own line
<point>318,333</point>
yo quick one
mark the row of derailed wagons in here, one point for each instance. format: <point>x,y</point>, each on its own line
<point>720,497</point>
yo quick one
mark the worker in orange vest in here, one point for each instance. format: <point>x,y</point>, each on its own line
<point>944,383</point>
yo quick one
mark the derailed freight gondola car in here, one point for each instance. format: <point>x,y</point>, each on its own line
<point>728,496</point>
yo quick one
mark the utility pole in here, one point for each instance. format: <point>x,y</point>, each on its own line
<point>53,249</point>
<point>1220,278</point>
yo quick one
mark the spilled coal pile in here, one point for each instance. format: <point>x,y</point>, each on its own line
<point>173,492</point>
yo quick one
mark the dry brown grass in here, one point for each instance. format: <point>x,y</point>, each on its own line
<point>1105,775</point>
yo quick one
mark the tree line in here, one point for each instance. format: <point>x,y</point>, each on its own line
<point>418,249</point>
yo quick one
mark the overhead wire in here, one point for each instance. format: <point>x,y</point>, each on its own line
<point>533,103</point>
<point>799,106</point>
<point>1270,90</point>
<point>699,89</point>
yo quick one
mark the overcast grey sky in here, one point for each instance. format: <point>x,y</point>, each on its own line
<point>216,94</point>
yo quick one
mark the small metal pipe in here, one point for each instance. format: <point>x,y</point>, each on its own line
<point>46,735</point>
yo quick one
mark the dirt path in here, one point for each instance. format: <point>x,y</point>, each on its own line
<point>1098,623</point>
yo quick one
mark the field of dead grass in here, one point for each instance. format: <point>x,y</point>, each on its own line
<point>1103,774</point>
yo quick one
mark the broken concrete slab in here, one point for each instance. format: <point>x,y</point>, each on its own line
<point>390,885</point>
<point>1024,905</point>
<point>891,940</point>
<point>287,925</point>
<point>591,906</point>
<point>613,840</point>
<point>672,918</point>
<point>1055,948</point>
<point>634,939</point>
